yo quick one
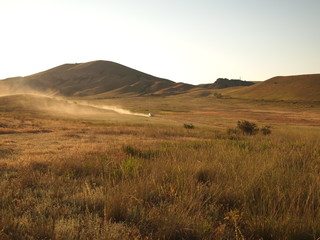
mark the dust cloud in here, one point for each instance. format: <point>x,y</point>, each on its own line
<point>116,109</point>
<point>56,105</point>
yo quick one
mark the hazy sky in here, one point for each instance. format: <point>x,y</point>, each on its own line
<point>192,41</point>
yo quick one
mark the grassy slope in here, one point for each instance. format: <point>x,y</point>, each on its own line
<point>88,79</point>
<point>292,88</point>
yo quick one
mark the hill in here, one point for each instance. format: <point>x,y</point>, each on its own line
<point>105,79</point>
<point>289,88</point>
<point>221,83</point>
<point>87,79</point>
<point>102,79</point>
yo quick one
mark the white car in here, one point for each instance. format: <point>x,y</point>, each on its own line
<point>151,115</point>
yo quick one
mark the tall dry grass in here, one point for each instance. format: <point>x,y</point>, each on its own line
<point>127,181</point>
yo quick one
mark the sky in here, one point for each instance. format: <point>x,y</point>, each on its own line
<point>191,41</point>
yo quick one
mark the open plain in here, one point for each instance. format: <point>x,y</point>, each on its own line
<point>80,168</point>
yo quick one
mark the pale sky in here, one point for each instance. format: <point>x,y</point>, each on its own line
<point>191,41</point>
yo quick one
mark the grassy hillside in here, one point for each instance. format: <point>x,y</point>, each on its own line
<point>86,79</point>
<point>292,88</point>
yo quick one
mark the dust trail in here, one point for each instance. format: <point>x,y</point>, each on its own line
<point>115,109</point>
<point>51,103</point>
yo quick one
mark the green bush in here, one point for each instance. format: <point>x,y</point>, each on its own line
<point>247,128</point>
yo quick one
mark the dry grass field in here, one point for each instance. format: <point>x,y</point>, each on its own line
<point>69,171</point>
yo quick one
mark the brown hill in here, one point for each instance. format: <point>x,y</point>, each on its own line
<point>221,83</point>
<point>290,88</point>
<point>87,79</point>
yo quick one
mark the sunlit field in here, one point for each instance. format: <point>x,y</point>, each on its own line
<point>82,172</point>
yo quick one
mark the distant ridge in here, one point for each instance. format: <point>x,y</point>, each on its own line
<point>221,83</point>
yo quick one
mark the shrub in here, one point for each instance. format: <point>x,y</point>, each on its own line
<point>248,128</point>
<point>188,126</point>
<point>217,95</point>
<point>265,130</point>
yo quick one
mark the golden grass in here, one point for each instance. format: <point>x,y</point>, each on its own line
<point>151,178</point>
